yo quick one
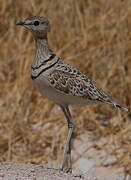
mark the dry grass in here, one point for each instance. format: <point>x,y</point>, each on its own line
<point>94,36</point>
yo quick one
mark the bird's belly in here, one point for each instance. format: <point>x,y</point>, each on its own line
<point>58,97</point>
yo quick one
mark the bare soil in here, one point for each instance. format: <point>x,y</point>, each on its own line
<point>22,171</point>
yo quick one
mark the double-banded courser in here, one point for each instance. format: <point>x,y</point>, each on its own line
<point>60,82</point>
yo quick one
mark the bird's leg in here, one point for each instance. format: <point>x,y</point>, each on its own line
<point>66,165</point>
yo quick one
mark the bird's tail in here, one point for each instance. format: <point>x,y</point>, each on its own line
<point>111,101</point>
<point>120,106</point>
<point>104,98</point>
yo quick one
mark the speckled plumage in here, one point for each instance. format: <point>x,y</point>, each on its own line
<point>72,82</point>
<point>60,82</point>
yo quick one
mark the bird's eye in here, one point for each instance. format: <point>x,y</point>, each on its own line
<point>36,23</point>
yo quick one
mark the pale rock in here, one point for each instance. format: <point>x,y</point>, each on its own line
<point>85,165</point>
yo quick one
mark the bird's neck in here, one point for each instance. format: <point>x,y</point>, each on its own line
<point>42,48</point>
<point>43,52</point>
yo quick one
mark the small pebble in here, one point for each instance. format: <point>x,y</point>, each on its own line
<point>109,160</point>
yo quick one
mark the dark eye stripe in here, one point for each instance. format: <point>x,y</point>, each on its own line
<point>28,23</point>
<point>44,23</point>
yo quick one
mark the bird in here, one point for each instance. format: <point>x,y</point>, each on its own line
<point>60,82</point>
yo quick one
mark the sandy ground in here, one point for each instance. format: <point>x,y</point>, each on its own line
<point>21,171</point>
<point>27,171</point>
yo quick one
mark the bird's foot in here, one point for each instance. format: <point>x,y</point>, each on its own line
<point>67,170</point>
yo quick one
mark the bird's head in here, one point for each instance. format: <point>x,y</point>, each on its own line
<point>39,26</point>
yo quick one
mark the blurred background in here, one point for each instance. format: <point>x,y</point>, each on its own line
<point>93,36</point>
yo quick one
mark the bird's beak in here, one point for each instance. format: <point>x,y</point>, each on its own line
<point>21,23</point>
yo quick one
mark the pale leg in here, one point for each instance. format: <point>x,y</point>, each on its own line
<point>66,164</point>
